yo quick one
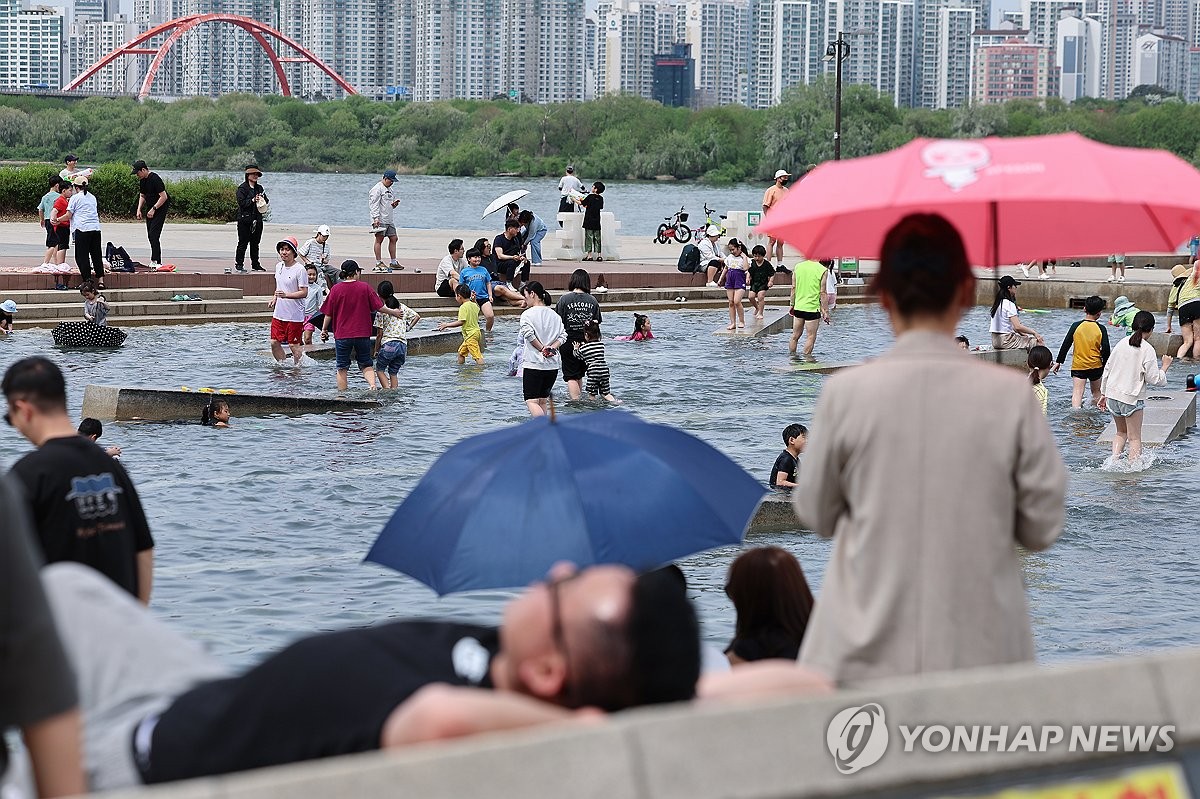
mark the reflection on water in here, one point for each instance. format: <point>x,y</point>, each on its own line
<point>261,529</point>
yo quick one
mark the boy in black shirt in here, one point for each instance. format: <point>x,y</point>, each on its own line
<point>592,205</point>
<point>84,506</point>
<point>152,195</point>
<point>783,473</point>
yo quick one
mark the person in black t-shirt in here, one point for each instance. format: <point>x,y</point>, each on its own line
<point>600,638</point>
<point>152,194</point>
<point>507,251</point>
<point>592,204</point>
<point>783,472</point>
<point>84,506</point>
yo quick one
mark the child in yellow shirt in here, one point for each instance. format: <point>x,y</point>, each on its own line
<point>468,320</point>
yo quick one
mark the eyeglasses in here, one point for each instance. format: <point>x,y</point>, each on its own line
<point>557,632</point>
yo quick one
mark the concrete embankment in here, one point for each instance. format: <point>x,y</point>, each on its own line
<point>779,747</point>
<point>1168,416</point>
<point>115,403</point>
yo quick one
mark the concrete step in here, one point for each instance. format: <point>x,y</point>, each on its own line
<point>51,297</point>
<point>124,310</point>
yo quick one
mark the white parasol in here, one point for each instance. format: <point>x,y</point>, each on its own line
<point>503,200</point>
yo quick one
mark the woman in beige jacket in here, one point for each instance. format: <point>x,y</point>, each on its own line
<point>928,467</point>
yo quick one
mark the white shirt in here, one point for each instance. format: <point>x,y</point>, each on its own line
<point>290,279</point>
<point>830,287</point>
<point>544,324</point>
<point>446,266</point>
<point>84,215</point>
<point>568,184</point>
<point>708,251</point>
<point>380,203</point>
<point>1129,371</point>
<point>314,252</point>
<point>1002,320</point>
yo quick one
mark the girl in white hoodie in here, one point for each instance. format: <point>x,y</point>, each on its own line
<point>1132,366</point>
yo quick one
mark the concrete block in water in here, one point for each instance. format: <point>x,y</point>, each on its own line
<point>1168,416</point>
<point>114,403</point>
<point>1015,358</point>
<point>1163,344</point>
<point>775,514</point>
<point>776,320</point>
<point>420,342</point>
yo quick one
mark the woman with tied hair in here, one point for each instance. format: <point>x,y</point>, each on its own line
<point>773,602</point>
<point>927,488</point>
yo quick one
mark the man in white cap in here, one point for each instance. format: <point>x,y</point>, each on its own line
<point>710,254</point>
<point>382,203</point>
<point>316,252</point>
<point>772,196</point>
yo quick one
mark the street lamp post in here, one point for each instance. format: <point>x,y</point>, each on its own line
<point>837,52</point>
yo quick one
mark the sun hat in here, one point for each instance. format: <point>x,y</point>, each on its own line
<point>289,241</point>
<point>1009,281</point>
<point>390,174</point>
<point>782,173</point>
<point>321,230</point>
<point>138,166</point>
<point>1179,270</point>
<point>1122,304</point>
<point>80,180</point>
<point>713,230</point>
<point>8,306</point>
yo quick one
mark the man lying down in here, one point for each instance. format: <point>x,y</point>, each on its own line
<point>156,708</point>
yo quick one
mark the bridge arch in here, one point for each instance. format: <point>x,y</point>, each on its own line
<point>176,28</point>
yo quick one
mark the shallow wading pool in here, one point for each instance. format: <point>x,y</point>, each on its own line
<point>261,529</point>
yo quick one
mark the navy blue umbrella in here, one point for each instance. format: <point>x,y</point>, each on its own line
<point>499,509</point>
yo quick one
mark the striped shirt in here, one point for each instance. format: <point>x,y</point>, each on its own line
<point>592,354</point>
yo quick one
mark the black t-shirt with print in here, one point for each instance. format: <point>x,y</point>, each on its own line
<point>786,463</point>
<point>592,205</point>
<point>85,508</point>
<point>577,309</point>
<point>323,696</point>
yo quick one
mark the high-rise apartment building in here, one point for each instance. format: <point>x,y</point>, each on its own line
<point>1016,69</point>
<point>946,50</point>
<point>32,40</point>
<point>1077,56</point>
<point>368,42</point>
<point>1160,61</point>
<point>221,59</point>
<point>630,34</point>
<point>788,41</point>
<point>88,42</point>
<point>881,35</point>
<point>717,30</point>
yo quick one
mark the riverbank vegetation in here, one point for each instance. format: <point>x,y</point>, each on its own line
<point>610,138</point>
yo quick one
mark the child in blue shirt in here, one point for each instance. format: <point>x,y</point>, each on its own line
<point>480,282</point>
<point>45,209</point>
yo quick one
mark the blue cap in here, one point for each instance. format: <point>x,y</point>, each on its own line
<point>390,174</point>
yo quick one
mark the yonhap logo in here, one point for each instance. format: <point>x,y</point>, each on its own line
<point>857,737</point>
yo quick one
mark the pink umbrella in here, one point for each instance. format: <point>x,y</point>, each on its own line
<point>1012,200</point>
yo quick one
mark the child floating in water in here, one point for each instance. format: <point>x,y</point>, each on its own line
<point>95,307</point>
<point>641,329</point>
<point>783,472</point>
<point>964,343</point>
<point>591,352</point>
<point>1123,313</point>
<point>1039,366</point>
<point>215,414</point>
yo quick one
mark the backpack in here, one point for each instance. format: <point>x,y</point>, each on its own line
<point>689,258</point>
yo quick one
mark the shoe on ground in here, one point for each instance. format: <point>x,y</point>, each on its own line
<point>395,266</point>
<point>1024,269</point>
<point>1121,279</point>
<point>600,290</point>
<point>258,269</point>
<point>711,285</point>
<point>240,268</point>
<point>1111,280</point>
<point>155,264</point>
<point>228,270</point>
<point>1043,276</point>
<point>599,257</point>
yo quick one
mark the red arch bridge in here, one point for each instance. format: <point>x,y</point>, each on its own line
<point>176,28</point>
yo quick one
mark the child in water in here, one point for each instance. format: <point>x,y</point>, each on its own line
<point>92,429</point>
<point>95,307</point>
<point>736,267</point>
<point>783,471</point>
<point>762,277</point>
<point>215,414</point>
<point>7,309</point>
<point>1123,314</point>
<point>1039,366</point>
<point>964,343</point>
<point>317,290</point>
<point>391,340</point>
<point>468,321</point>
<point>641,329</point>
<point>591,352</point>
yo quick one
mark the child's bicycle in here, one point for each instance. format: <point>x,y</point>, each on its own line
<point>674,228</point>
<point>701,230</point>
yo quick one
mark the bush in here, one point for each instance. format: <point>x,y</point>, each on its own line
<point>116,190</point>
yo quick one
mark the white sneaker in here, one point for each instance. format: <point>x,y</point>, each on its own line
<point>1024,269</point>
<point>1121,279</point>
<point>1111,280</point>
<point>711,285</point>
<point>155,264</point>
<point>1043,276</point>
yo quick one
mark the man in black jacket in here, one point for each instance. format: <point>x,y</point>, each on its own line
<point>250,219</point>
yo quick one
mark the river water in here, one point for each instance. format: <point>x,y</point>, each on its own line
<point>261,529</point>
<point>439,202</point>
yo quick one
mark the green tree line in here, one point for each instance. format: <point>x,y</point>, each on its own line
<point>613,137</point>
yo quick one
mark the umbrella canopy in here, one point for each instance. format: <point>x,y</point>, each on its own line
<point>503,200</point>
<point>499,509</point>
<point>1012,200</point>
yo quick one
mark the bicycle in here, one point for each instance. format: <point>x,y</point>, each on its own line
<point>674,228</point>
<point>702,230</point>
